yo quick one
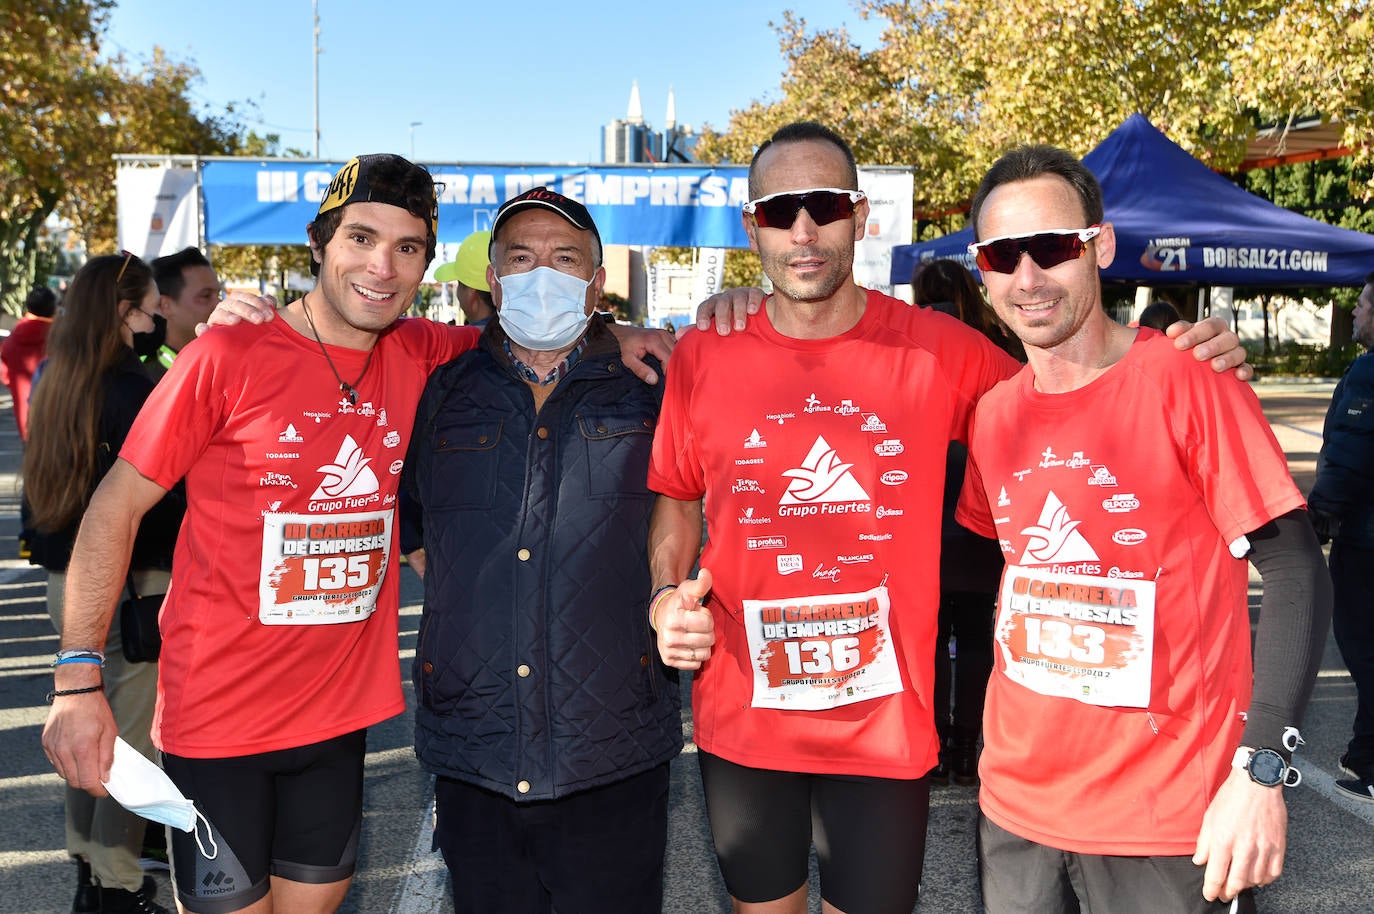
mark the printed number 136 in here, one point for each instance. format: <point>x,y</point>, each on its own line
<point>836,655</point>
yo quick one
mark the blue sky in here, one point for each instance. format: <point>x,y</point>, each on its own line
<point>488,81</point>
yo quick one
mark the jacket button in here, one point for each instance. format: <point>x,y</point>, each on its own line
<point>523,670</point>
<point>482,439</point>
<point>601,429</point>
<point>523,787</point>
<point>613,368</point>
<point>443,442</point>
<point>429,667</point>
<point>543,432</point>
<point>523,555</point>
<point>648,423</point>
<point>643,659</point>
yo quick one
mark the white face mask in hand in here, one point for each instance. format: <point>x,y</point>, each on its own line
<point>543,309</point>
<point>143,788</point>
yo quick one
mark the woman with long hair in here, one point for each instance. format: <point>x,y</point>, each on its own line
<point>947,286</point>
<point>87,395</point>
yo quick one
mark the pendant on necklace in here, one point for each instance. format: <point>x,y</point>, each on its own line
<point>349,392</point>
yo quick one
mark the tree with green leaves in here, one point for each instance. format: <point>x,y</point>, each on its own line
<point>1316,57</point>
<point>65,111</point>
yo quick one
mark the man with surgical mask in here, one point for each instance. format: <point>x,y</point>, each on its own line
<point>542,707</point>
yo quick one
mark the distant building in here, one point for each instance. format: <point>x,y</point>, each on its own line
<point>658,292</point>
<point>631,140</point>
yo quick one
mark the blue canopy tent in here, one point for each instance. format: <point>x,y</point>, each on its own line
<point>1178,222</point>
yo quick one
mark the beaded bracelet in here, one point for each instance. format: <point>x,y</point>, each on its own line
<point>58,693</point>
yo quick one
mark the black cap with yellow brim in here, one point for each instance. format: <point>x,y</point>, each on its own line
<point>353,184</point>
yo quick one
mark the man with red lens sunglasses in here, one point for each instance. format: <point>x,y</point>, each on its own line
<point>814,438</point>
<point>1131,755</point>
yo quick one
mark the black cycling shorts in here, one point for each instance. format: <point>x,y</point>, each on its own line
<point>869,833</point>
<point>294,813</point>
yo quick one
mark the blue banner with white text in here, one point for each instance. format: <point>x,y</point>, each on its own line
<point>269,201</point>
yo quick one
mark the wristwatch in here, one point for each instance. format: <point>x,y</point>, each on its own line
<point>1265,766</point>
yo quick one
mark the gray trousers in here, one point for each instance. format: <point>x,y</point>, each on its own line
<point>107,835</point>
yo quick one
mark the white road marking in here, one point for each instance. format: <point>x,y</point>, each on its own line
<point>423,890</point>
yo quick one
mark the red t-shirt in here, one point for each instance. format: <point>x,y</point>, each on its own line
<point>291,496</point>
<point>1151,474</point>
<point>20,354</point>
<point>822,465</point>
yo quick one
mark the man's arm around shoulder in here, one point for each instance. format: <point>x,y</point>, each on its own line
<point>78,737</point>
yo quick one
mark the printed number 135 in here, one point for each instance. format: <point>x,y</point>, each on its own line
<point>337,572</point>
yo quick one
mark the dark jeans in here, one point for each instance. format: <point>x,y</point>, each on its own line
<point>969,618</point>
<point>590,852</point>
<point>1353,623</point>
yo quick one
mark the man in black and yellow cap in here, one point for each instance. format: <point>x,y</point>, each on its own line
<point>279,632</point>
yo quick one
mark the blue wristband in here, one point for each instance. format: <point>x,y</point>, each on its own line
<point>78,655</point>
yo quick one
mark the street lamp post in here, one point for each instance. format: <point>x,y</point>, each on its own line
<point>413,125</point>
<point>315,58</point>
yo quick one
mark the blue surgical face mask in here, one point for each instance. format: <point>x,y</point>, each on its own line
<point>543,309</point>
<point>143,788</point>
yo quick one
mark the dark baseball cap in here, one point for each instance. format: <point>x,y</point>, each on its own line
<point>355,183</point>
<point>544,198</point>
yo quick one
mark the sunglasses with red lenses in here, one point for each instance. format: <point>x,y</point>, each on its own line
<point>823,204</point>
<point>1048,249</point>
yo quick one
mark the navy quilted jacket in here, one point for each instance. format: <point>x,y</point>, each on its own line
<point>536,674</point>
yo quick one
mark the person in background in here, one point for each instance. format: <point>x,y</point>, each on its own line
<point>1342,505</point>
<point>91,390</point>
<point>969,564</point>
<point>24,348</point>
<point>947,286</point>
<point>1158,315</point>
<point>469,271</point>
<point>188,291</point>
<point>1133,760</point>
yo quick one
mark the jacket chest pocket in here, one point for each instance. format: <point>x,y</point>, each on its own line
<point>1357,414</point>
<point>463,464</point>
<point>618,444</point>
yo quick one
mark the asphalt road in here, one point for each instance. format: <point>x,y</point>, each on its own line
<point>1330,866</point>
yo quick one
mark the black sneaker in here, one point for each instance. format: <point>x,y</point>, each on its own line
<point>964,767</point>
<point>1345,767</point>
<point>122,901</point>
<point>1356,788</point>
<point>87,900</point>
<point>939,775</point>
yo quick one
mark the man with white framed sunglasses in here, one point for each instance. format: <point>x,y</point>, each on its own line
<point>814,438</point>
<point>1131,758</point>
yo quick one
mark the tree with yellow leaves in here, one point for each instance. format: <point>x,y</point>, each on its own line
<point>955,83</point>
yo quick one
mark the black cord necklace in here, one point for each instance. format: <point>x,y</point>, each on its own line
<point>349,390</point>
